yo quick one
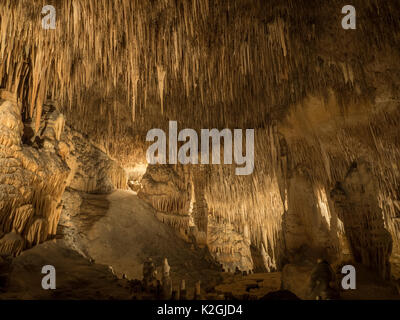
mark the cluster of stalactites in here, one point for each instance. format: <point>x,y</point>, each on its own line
<point>221,61</point>
<point>253,204</point>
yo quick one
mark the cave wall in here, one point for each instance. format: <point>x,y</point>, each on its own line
<point>37,168</point>
<point>167,189</point>
<point>357,204</point>
<point>32,182</point>
<point>305,199</point>
<point>351,156</point>
<point>94,170</point>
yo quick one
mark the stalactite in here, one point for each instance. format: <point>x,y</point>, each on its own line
<point>279,61</point>
<point>134,92</point>
<point>161,73</point>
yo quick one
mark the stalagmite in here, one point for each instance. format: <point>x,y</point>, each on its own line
<point>166,281</point>
<point>182,291</point>
<point>149,273</point>
<point>197,291</point>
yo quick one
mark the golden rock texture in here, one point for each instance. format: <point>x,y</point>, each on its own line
<point>32,183</point>
<point>33,177</point>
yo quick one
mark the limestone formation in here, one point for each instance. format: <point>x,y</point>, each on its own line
<point>166,281</point>
<point>149,273</point>
<point>182,291</point>
<point>77,102</point>
<point>95,171</point>
<point>31,185</point>
<point>165,189</point>
<point>359,210</point>
<point>197,291</point>
<point>228,246</point>
<point>322,282</point>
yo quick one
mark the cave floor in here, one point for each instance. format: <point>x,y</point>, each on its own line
<point>119,231</point>
<point>122,231</point>
<point>76,277</point>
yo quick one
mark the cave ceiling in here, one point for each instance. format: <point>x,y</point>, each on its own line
<point>119,67</point>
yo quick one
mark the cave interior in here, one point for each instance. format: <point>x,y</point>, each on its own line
<point>77,189</point>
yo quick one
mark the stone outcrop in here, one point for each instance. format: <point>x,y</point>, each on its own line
<point>183,207</point>
<point>358,208</point>
<point>32,181</point>
<point>95,171</point>
<point>69,227</point>
<point>165,189</point>
<point>229,247</point>
<point>36,167</point>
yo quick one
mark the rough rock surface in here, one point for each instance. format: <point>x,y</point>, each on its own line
<point>94,172</point>
<point>229,247</point>
<point>32,182</point>
<point>164,188</point>
<point>34,174</point>
<point>371,242</point>
<point>183,207</point>
<point>68,228</point>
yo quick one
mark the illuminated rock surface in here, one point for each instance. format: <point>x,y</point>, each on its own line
<point>77,102</point>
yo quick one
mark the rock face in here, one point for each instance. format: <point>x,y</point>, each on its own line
<point>308,221</point>
<point>229,247</point>
<point>178,198</point>
<point>32,182</point>
<point>68,226</point>
<point>371,242</point>
<point>165,189</point>
<point>34,175</point>
<point>94,172</point>
<point>182,205</point>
